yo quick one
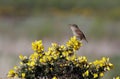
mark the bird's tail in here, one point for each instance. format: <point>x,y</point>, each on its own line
<point>85,39</point>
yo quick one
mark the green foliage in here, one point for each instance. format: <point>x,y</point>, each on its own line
<point>59,62</point>
<point>26,7</point>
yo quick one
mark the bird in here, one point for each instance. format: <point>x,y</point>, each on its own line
<point>77,32</point>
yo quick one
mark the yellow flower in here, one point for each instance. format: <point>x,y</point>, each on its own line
<point>110,65</point>
<point>16,75</point>
<point>51,69</point>
<point>54,45</point>
<point>104,62</point>
<point>48,53</point>
<point>96,62</point>
<point>11,73</point>
<point>34,56</point>
<point>21,63</point>
<point>82,59</point>
<point>108,68</point>
<point>37,46</point>
<point>95,75</point>
<point>54,77</point>
<point>117,77</point>
<point>65,54</point>
<point>62,47</point>
<point>31,63</point>
<point>74,43</point>
<point>22,57</point>
<point>50,49</point>
<point>43,59</point>
<point>15,67</point>
<point>23,75</point>
<point>86,73</point>
<point>71,58</point>
<point>55,56</point>
<point>49,58</point>
<point>101,62</point>
<point>101,74</point>
<point>59,56</point>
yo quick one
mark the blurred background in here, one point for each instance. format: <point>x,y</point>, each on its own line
<point>24,21</point>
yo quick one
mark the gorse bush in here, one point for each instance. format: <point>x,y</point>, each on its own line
<point>59,62</point>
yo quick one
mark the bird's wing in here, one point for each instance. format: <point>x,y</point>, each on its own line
<point>78,32</point>
<point>84,37</point>
<point>81,34</point>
